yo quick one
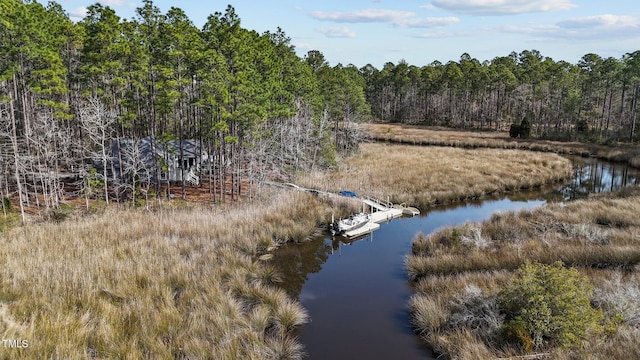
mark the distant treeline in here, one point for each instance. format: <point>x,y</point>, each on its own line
<point>595,100</point>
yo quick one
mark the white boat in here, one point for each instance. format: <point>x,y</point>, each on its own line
<point>351,223</point>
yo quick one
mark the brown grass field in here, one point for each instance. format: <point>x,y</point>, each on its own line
<point>472,262</point>
<point>173,283</point>
<point>416,135</point>
<point>186,281</point>
<point>427,176</point>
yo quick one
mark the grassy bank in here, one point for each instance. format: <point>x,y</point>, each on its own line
<point>183,283</point>
<point>406,134</point>
<point>458,273</point>
<point>427,176</point>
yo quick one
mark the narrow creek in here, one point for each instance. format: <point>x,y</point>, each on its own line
<point>357,293</point>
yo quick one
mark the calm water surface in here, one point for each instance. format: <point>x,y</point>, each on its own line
<point>357,293</point>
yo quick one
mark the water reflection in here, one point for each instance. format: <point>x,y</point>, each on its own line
<point>297,261</point>
<point>358,302</point>
<point>592,176</point>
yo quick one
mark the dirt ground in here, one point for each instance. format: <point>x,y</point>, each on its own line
<point>200,194</point>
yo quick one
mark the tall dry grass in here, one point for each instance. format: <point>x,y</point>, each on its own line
<point>599,236</point>
<point>182,283</point>
<point>427,176</point>
<point>416,135</point>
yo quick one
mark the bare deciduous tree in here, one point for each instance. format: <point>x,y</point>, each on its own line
<point>97,122</point>
<point>50,144</point>
<point>8,131</point>
<point>135,165</point>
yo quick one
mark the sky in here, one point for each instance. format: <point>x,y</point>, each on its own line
<point>375,32</point>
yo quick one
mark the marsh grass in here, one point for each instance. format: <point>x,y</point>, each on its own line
<point>428,176</point>
<point>9,219</point>
<point>416,135</point>
<point>175,283</point>
<point>599,236</point>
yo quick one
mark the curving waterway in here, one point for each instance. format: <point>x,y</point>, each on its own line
<point>357,293</point>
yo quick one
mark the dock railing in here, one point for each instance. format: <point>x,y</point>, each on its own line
<point>379,205</point>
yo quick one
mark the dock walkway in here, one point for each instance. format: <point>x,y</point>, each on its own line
<point>380,211</point>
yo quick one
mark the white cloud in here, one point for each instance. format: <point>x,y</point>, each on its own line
<point>303,46</point>
<point>530,30</point>
<point>79,12</point>
<point>447,34</point>
<point>338,32</point>
<point>116,3</point>
<point>428,22</point>
<point>363,16</point>
<point>396,18</point>
<point>428,7</point>
<point>439,35</point>
<point>584,28</point>
<point>502,7</point>
<point>601,21</point>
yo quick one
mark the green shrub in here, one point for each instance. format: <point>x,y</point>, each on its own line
<point>60,213</point>
<point>525,128</point>
<point>548,305</point>
<point>522,131</point>
<point>9,221</point>
<point>514,130</point>
<point>582,126</point>
<point>516,332</point>
<point>6,204</point>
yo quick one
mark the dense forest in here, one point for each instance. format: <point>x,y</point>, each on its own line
<point>595,100</point>
<point>68,90</point>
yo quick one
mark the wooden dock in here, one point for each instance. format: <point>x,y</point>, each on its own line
<point>381,211</point>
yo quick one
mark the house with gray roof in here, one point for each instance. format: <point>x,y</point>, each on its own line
<point>155,160</point>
